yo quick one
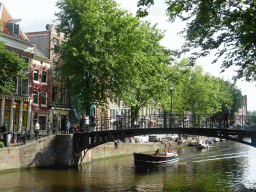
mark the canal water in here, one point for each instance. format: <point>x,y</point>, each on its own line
<point>225,166</point>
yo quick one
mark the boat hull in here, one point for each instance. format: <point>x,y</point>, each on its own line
<point>148,159</point>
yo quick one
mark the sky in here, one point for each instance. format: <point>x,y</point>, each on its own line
<point>36,14</point>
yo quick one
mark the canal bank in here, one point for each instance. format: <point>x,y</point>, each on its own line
<point>58,150</point>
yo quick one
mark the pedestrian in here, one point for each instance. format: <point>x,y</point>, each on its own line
<point>67,126</point>
<point>116,144</point>
<point>119,121</point>
<point>92,122</point>
<point>87,122</point>
<point>49,128</point>
<point>81,124</point>
<point>36,129</point>
<point>226,116</point>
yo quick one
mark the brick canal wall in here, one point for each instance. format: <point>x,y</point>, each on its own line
<point>33,154</point>
<point>58,150</point>
<point>108,150</point>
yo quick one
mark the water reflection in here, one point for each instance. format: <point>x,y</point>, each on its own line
<point>223,167</point>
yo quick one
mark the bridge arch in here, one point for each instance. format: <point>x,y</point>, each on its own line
<point>86,141</point>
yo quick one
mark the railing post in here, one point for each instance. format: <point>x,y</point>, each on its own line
<point>101,123</point>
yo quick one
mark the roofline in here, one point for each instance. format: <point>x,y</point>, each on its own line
<point>3,6</point>
<point>49,61</point>
<point>17,39</point>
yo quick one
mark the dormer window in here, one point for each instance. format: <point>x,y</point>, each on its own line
<point>14,27</point>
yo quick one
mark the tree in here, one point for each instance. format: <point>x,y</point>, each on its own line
<point>227,26</point>
<point>109,53</point>
<point>146,78</point>
<point>200,92</point>
<point>93,30</point>
<point>11,66</point>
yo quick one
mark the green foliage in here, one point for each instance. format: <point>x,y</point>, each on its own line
<point>1,144</point>
<point>202,93</point>
<point>225,26</point>
<point>110,54</point>
<point>11,66</point>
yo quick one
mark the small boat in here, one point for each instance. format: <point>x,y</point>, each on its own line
<point>222,139</point>
<point>193,143</point>
<point>202,145</point>
<point>141,160</point>
<point>216,139</point>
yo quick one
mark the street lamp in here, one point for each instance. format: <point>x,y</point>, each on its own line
<point>13,128</point>
<point>171,114</point>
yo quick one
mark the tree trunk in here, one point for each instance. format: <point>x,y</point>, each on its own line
<point>134,115</point>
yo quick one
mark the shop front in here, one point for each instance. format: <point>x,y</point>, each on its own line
<point>15,112</point>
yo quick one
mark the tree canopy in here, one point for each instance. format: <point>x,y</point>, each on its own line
<point>201,92</point>
<point>11,66</point>
<point>227,26</point>
<point>109,53</point>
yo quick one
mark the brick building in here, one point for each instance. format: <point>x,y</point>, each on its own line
<point>49,42</point>
<point>23,115</point>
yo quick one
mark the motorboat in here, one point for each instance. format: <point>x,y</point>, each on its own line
<point>193,142</point>
<point>202,144</point>
<point>141,160</point>
<point>216,139</point>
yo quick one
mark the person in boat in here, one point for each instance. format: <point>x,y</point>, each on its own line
<point>157,152</point>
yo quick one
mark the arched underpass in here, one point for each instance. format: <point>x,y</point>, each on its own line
<point>86,141</point>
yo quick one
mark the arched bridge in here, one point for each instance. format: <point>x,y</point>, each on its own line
<point>108,130</point>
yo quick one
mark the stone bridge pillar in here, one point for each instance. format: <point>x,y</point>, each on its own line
<point>253,139</point>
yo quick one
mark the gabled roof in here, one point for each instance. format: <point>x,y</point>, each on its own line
<point>5,18</point>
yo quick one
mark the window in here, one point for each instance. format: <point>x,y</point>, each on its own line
<point>16,80</point>
<point>26,61</point>
<point>63,95</point>
<point>24,87</point>
<point>62,47</point>
<point>14,28</point>
<point>54,94</point>
<point>54,71</point>
<point>44,77</point>
<point>43,98</point>
<point>36,75</point>
<point>55,45</point>
<point>113,113</point>
<point>35,97</point>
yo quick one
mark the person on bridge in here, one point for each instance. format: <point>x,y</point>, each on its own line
<point>81,123</point>
<point>36,129</point>
<point>226,116</point>
<point>67,126</point>
<point>87,122</point>
<point>92,122</point>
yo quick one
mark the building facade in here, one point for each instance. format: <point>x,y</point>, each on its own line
<point>48,42</point>
<point>17,118</point>
<point>40,85</point>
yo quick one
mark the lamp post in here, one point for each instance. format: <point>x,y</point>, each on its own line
<point>13,128</point>
<point>171,114</point>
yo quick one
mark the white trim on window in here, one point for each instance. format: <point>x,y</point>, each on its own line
<point>27,60</point>
<point>22,93</point>
<point>63,96</point>
<point>44,104</point>
<point>37,102</point>
<point>36,73</point>
<point>45,83</point>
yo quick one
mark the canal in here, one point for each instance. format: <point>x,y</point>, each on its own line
<point>225,166</point>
